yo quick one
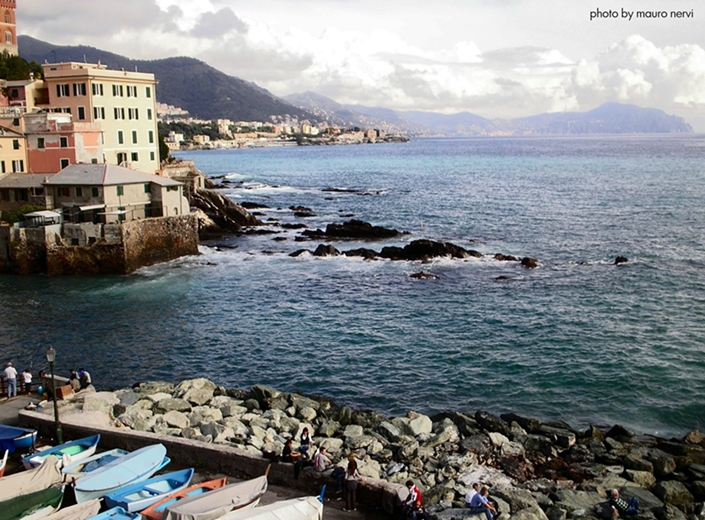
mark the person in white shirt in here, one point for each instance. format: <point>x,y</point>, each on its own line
<point>10,380</point>
<point>27,380</point>
<point>321,462</point>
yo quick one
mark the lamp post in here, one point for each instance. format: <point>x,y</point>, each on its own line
<point>51,355</point>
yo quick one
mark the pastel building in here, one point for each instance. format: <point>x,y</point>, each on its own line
<point>13,151</point>
<point>122,103</point>
<point>8,27</point>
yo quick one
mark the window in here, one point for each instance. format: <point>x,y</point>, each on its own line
<point>15,144</point>
<point>65,163</point>
<point>64,142</point>
<point>133,113</point>
<point>135,156</point>
<point>40,143</point>
<point>9,37</point>
<point>151,156</point>
<point>134,137</point>
<point>2,167</point>
<point>79,89</point>
<point>98,112</point>
<point>62,90</point>
<point>17,166</point>
<point>79,191</point>
<point>21,195</point>
<point>81,113</point>
<point>4,194</point>
<point>151,137</point>
<point>121,216</point>
<point>120,138</point>
<point>147,188</point>
<point>131,91</point>
<point>63,191</point>
<point>121,157</point>
<point>95,192</point>
<point>94,161</point>
<point>7,18</point>
<point>97,89</point>
<point>118,91</point>
<point>119,113</point>
<point>148,92</point>
<point>14,93</point>
<point>120,191</point>
<point>147,210</point>
<point>149,114</point>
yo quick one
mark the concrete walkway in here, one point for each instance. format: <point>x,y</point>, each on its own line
<point>333,509</point>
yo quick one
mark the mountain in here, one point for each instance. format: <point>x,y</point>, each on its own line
<point>191,84</point>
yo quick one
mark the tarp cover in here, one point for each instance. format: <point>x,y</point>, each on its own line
<point>31,480</point>
<point>77,511</point>
<point>215,504</point>
<point>305,508</point>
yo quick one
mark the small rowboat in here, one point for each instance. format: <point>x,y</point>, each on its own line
<point>81,468</point>
<point>33,506</point>
<point>3,463</point>
<point>215,504</point>
<point>156,510</point>
<point>16,439</point>
<point>68,452</point>
<point>30,481</point>
<point>306,508</point>
<point>135,467</point>
<point>143,494</point>
<point>77,511</point>
<point>116,513</point>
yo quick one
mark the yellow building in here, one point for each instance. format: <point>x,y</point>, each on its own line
<point>13,151</point>
<point>8,29</point>
<point>122,103</point>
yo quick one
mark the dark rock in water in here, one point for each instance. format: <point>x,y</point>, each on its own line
<point>619,431</point>
<point>491,423</point>
<point>422,275</point>
<point>302,209</point>
<point>425,249</point>
<point>304,214</point>
<point>505,258</point>
<point>502,278</point>
<point>347,215</point>
<point>529,263</point>
<point>326,250</point>
<point>261,232</point>
<point>280,239</point>
<point>621,260</point>
<point>359,229</point>
<point>367,254</point>
<point>392,252</point>
<point>294,226</point>
<point>253,205</point>
<point>529,424</point>
<point>226,214</point>
<point>299,252</point>
<point>340,190</point>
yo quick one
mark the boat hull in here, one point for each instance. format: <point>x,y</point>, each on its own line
<point>142,495</point>
<point>68,452</point>
<point>156,510</point>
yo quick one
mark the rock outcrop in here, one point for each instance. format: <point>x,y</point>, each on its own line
<point>227,215</point>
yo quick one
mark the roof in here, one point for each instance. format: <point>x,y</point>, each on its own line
<point>23,180</point>
<point>9,131</point>
<point>104,175</point>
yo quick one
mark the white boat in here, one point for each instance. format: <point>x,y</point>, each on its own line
<point>214,504</point>
<point>135,467</point>
<point>67,453</point>
<point>77,511</point>
<point>305,508</point>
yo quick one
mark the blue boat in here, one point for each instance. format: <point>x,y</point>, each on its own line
<point>130,469</point>
<point>68,452</point>
<point>81,468</point>
<point>16,439</point>
<point>144,494</point>
<point>116,513</point>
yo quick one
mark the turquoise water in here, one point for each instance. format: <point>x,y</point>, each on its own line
<point>578,338</point>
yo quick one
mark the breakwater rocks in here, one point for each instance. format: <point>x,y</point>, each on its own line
<point>535,470</point>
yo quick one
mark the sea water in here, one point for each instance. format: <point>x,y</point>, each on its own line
<point>578,338</point>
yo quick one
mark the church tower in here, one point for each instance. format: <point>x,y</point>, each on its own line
<point>8,28</point>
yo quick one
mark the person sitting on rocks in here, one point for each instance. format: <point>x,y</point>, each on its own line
<point>412,498</point>
<point>471,493</point>
<point>418,512</point>
<point>480,504</point>
<point>84,377</point>
<point>622,507</point>
<point>321,462</point>
<point>306,442</point>
<point>288,453</point>
<point>74,381</point>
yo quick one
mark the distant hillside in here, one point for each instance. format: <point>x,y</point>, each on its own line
<point>184,82</point>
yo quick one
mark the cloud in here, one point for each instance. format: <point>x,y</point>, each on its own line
<point>216,24</point>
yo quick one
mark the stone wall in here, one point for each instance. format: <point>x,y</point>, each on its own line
<point>156,240</point>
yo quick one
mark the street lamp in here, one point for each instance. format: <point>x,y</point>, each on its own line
<point>51,355</point>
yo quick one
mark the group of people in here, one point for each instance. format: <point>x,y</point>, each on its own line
<point>11,376</point>
<point>476,500</point>
<point>79,380</point>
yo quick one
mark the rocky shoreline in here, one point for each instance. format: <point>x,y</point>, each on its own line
<point>535,471</point>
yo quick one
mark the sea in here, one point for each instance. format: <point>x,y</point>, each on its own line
<point>578,338</point>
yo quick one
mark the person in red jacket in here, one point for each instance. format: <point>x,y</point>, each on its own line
<point>411,500</point>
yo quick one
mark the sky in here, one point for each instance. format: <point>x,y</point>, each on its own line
<point>494,58</point>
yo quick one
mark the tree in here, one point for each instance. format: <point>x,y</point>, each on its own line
<point>164,151</point>
<point>14,68</point>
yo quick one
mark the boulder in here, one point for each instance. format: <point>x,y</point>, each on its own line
<point>573,500</point>
<point>644,479</point>
<point>137,419</point>
<point>419,425</point>
<point>672,492</point>
<point>486,475</point>
<point>694,437</point>
<point>156,397</point>
<point>564,438</point>
<point>100,402</point>
<point>326,250</point>
<point>232,409</point>
<point>634,461</point>
<point>203,414</point>
<point>647,500</point>
<point>357,229</point>
<point>307,414</point>
<point>353,430</point>
<point>155,387</point>
<point>128,397</point>
<point>529,424</point>
<point>212,429</point>
<point>491,423</point>
<point>333,445</point>
<point>167,405</point>
<point>517,499</point>
<point>664,464</point>
<point>389,430</point>
<point>176,419</point>
<point>263,392</point>
<point>531,513</point>
<point>669,512</point>
<point>196,391</point>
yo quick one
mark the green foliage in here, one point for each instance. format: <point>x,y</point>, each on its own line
<point>190,129</point>
<point>164,151</point>
<point>18,215</point>
<point>14,68</point>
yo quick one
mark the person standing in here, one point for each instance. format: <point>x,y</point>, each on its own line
<point>352,477</point>
<point>10,380</point>
<point>27,380</point>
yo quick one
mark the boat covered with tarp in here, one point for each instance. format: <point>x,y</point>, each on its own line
<point>29,481</point>
<point>304,508</point>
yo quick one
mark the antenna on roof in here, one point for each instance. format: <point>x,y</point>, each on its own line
<point>84,59</point>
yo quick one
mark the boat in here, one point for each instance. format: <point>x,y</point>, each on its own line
<point>156,510</point>
<point>16,439</point>
<point>135,467</point>
<point>116,513</point>
<point>39,504</point>
<point>215,504</point>
<point>77,511</point>
<point>143,494</point>
<point>68,452</point>
<point>3,463</point>
<point>304,508</point>
<point>27,482</point>
<point>81,468</point>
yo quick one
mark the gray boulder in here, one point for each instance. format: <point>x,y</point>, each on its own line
<point>572,500</point>
<point>672,492</point>
<point>517,499</point>
<point>172,404</point>
<point>154,387</point>
<point>176,419</point>
<point>263,392</point>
